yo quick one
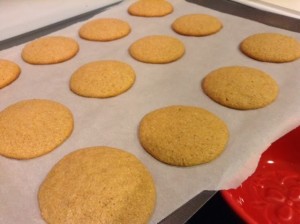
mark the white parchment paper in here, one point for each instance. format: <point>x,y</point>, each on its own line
<point>114,121</point>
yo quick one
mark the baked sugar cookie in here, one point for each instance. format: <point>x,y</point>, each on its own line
<point>197,25</point>
<point>150,8</point>
<point>32,128</point>
<point>271,47</point>
<point>240,87</point>
<point>183,135</point>
<point>157,49</point>
<point>104,29</point>
<point>50,50</point>
<point>97,185</point>
<point>102,79</point>
<point>9,72</point>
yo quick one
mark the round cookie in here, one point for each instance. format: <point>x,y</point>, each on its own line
<point>32,128</point>
<point>157,49</point>
<point>105,29</point>
<point>196,25</point>
<point>102,79</point>
<point>150,8</point>
<point>271,47</point>
<point>9,72</point>
<point>50,50</point>
<point>97,185</point>
<point>240,87</point>
<point>183,135</point>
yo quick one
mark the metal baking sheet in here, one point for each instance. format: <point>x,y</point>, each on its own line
<point>114,121</point>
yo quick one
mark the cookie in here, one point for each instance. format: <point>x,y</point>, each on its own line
<point>97,185</point>
<point>240,87</point>
<point>150,8</point>
<point>157,49</point>
<point>9,72</point>
<point>271,47</point>
<point>104,29</point>
<point>197,25</point>
<point>32,128</point>
<point>50,50</point>
<point>183,135</point>
<point>102,79</point>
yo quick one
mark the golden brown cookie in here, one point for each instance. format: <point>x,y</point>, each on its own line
<point>50,50</point>
<point>157,49</point>
<point>240,87</point>
<point>271,47</point>
<point>102,79</point>
<point>32,128</point>
<point>183,135</point>
<point>150,8</point>
<point>104,29</point>
<point>197,25</point>
<point>9,72</point>
<point>97,185</point>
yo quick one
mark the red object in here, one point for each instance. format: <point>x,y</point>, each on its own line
<point>272,193</point>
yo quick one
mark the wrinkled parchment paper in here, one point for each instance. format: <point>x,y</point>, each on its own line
<point>114,121</point>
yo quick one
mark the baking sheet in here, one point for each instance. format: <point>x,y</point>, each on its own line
<point>289,8</point>
<point>253,13</point>
<point>114,121</point>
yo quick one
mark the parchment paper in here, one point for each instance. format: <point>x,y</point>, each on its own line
<point>114,121</point>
